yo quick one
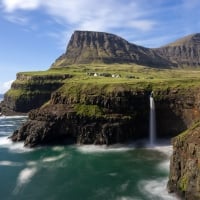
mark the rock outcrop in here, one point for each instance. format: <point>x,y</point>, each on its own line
<point>94,112</point>
<point>86,47</point>
<point>30,92</point>
<point>107,117</point>
<point>184,176</point>
<point>184,52</point>
<point>87,118</point>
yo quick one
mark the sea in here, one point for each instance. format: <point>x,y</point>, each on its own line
<point>81,172</point>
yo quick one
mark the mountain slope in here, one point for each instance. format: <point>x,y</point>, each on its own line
<point>184,52</point>
<point>86,47</point>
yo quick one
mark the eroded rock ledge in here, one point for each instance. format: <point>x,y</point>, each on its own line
<point>184,176</point>
<point>108,116</point>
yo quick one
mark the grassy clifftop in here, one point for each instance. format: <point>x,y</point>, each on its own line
<point>32,89</point>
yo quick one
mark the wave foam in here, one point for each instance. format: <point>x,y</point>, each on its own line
<point>17,147</point>
<point>24,177</point>
<point>58,148</point>
<point>13,117</point>
<point>53,158</point>
<point>127,198</point>
<point>164,166</point>
<point>103,148</point>
<point>156,189</point>
<point>9,163</point>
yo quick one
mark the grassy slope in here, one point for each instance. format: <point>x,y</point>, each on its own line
<point>145,77</point>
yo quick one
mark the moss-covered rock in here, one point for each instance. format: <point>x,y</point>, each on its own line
<point>31,90</point>
<point>184,176</point>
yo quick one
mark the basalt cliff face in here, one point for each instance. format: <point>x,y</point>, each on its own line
<point>97,47</point>
<point>30,92</point>
<point>108,117</point>
<point>86,47</point>
<point>94,112</point>
<point>184,176</point>
<point>88,118</point>
<point>184,52</point>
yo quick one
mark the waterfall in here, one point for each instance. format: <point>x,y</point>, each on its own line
<point>152,121</point>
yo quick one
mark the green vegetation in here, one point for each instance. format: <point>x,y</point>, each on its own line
<point>183,183</point>
<point>182,136</point>
<point>140,76</point>
<point>78,81</point>
<point>89,110</point>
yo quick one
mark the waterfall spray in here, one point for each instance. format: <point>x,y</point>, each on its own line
<point>152,121</point>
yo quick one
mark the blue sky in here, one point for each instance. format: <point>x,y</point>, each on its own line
<point>35,32</point>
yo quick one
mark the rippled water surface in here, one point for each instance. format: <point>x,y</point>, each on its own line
<point>80,172</point>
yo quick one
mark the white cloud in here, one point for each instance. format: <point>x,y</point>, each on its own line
<point>4,87</point>
<point>89,14</point>
<point>12,5</point>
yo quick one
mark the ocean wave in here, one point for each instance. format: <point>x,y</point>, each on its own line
<point>9,163</point>
<point>58,148</point>
<point>127,198</point>
<point>17,147</point>
<point>164,166</point>
<point>103,148</point>
<point>13,117</point>
<point>24,177</point>
<point>7,125</point>
<point>53,158</point>
<point>156,189</point>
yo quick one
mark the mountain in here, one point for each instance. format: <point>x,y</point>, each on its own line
<point>184,52</point>
<point>86,47</point>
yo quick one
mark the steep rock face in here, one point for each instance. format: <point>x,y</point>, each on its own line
<point>185,164</point>
<point>97,47</point>
<point>29,92</point>
<point>108,117</point>
<point>176,109</point>
<point>184,52</point>
<point>64,120</point>
<point>97,122</point>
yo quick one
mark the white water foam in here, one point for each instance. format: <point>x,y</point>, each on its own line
<point>9,163</point>
<point>164,166</point>
<point>127,198</point>
<point>6,125</point>
<point>17,147</point>
<point>156,189</point>
<point>32,163</point>
<point>103,148</point>
<point>24,177</point>
<point>58,148</point>
<point>53,158</point>
<point>13,117</point>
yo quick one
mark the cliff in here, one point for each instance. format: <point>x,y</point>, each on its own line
<point>107,114</point>
<point>30,91</point>
<point>184,52</point>
<point>86,47</point>
<point>98,91</point>
<point>185,164</point>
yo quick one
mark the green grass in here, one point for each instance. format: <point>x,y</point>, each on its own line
<point>146,78</point>
<point>89,110</point>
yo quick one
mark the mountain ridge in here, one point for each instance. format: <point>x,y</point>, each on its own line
<point>87,47</point>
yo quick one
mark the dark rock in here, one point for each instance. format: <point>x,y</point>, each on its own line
<point>184,176</point>
<point>184,52</point>
<point>97,47</point>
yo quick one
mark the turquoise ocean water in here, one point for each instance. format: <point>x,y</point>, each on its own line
<point>80,172</point>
